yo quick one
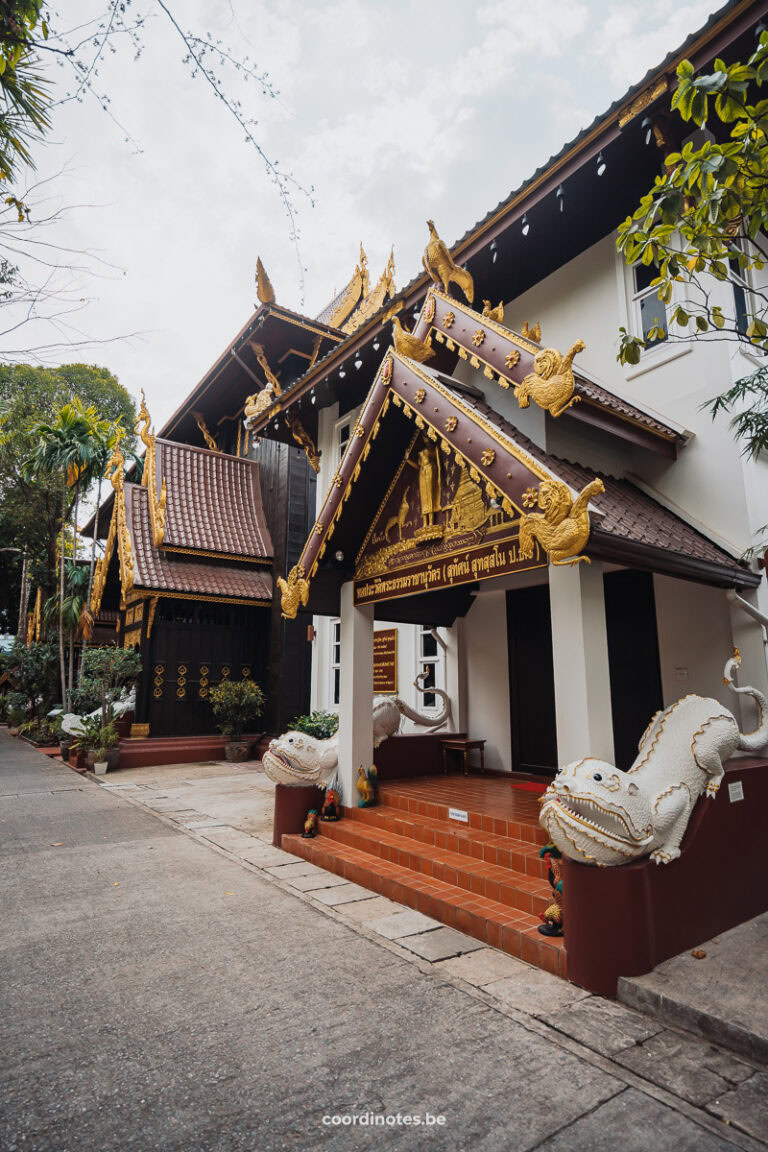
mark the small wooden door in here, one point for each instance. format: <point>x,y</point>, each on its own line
<point>531,681</point>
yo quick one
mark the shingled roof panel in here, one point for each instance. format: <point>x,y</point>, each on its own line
<point>154,569</point>
<point>213,502</point>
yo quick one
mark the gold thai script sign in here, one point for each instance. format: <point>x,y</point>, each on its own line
<point>385,662</point>
<point>437,527</point>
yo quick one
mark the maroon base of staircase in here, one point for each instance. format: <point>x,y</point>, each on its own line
<point>151,751</point>
<point>483,877</point>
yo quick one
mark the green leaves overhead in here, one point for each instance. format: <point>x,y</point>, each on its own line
<point>706,215</point>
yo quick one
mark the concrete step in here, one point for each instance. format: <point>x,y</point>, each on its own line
<point>497,924</point>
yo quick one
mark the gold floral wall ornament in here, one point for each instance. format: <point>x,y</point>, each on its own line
<point>551,384</point>
<point>360,429</point>
<point>530,496</point>
<point>451,423</point>
<point>488,456</point>
<point>420,395</point>
<point>512,358</point>
<point>294,591</point>
<point>319,528</point>
<point>449,319</point>
<point>562,530</point>
<point>386,371</point>
<point>337,481</point>
<point>478,336</point>
<point>429,309</point>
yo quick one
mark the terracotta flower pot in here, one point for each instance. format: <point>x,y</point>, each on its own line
<point>236,750</point>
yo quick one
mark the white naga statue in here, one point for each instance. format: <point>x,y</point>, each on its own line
<point>298,759</point>
<point>597,814</point>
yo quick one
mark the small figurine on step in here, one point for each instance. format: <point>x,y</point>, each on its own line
<point>310,825</point>
<point>331,809</point>
<point>366,786</point>
<point>552,916</point>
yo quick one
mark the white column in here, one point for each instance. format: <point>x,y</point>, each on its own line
<point>356,703</point>
<point>456,673</point>
<point>580,650</point>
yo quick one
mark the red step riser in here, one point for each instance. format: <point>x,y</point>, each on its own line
<point>513,829</point>
<point>518,937</point>
<point>493,888</point>
<point>515,854</point>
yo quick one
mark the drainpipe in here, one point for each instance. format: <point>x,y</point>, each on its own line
<point>750,610</point>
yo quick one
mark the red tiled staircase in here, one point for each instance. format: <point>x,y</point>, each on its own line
<point>483,877</point>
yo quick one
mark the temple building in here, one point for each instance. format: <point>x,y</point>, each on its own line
<point>457,483</point>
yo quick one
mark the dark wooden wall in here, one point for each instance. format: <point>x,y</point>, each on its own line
<point>288,487</point>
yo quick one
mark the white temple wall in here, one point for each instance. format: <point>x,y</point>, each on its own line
<point>695,639</point>
<point>488,678</point>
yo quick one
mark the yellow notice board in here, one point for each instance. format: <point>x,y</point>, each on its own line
<point>385,662</point>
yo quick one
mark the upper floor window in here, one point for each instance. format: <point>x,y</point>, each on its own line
<point>430,660</point>
<point>335,692</point>
<point>650,312</point>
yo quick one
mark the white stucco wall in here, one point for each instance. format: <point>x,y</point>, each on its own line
<point>488,678</point>
<point>695,639</point>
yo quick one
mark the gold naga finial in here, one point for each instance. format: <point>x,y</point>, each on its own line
<point>409,345</point>
<point>364,271</point>
<point>264,289</point>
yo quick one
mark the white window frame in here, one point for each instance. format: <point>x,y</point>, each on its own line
<point>334,663</point>
<point>629,317</point>
<point>349,418</point>
<point>422,663</point>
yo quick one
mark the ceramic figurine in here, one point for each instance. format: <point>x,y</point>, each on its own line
<point>552,916</point>
<point>366,786</point>
<point>331,809</point>
<point>310,825</point>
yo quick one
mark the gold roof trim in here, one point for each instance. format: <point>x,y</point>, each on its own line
<point>384,290</point>
<point>356,290</point>
<point>149,475</point>
<point>118,534</point>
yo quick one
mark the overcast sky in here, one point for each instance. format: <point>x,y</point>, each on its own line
<point>391,112</point>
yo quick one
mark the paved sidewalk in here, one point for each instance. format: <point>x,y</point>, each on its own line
<point>166,986</point>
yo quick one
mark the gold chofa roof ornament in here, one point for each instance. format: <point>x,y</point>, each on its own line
<point>264,289</point>
<point>441,267</point>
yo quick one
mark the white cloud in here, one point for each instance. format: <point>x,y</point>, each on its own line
<point>393,112</point>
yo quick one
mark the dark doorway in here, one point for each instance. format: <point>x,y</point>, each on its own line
<point>531,681</point>
<point>195,645</point>
<point>633,657</point>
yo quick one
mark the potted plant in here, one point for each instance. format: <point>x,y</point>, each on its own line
<point>109,746</point>
<point>89,739</point>
<point>236,704</point>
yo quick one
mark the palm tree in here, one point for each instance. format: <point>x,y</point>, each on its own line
<point>68,448</point>
<point>105,436</point>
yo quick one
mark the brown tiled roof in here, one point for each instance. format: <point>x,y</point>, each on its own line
<point>155,569</point>
<point>594,393</point>
<point>627,512</point>
<point>213,501</point>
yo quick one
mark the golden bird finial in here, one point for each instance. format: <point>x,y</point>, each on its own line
<point>264,289</point>
<point>408,345</point>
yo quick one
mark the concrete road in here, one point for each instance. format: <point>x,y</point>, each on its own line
<point>157,995</point>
